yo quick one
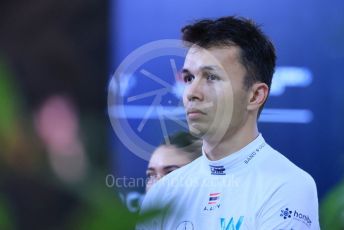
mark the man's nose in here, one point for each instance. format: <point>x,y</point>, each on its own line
<point>194,91</point>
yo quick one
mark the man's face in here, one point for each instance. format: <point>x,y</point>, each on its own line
<point>214,97</point>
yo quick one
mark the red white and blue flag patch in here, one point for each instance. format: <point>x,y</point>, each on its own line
<point>213,198</point>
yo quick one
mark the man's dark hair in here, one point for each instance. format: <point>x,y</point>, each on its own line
<point>257,53</point>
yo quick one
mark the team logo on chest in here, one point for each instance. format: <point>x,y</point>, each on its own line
<point>213,202</point>
<point>217,170</point>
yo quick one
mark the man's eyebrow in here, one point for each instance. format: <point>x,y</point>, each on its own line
<point>210,67</point>
<point>207,67</point>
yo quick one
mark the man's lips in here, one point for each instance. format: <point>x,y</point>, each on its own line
<point>189,111</point>
<point>194,113</point>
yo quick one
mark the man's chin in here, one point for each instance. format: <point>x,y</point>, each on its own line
<point>197,130</point>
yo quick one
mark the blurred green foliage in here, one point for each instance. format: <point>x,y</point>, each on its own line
<point>332,209</point>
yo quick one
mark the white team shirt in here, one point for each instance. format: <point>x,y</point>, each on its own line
<point>254,188</point>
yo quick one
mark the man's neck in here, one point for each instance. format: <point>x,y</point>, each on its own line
<point>230,143</point>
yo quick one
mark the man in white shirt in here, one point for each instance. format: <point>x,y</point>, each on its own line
<point>239,182</point>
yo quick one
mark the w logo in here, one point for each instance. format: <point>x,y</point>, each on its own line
<point>230,225</point>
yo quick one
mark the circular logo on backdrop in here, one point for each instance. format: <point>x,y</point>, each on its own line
<point>140,93</point>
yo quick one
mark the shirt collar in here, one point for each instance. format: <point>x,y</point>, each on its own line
<point>236,160</point>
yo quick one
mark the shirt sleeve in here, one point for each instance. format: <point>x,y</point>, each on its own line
<point>293,205</point>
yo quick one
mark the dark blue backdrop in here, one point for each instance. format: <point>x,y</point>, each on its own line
<point>303,118</point>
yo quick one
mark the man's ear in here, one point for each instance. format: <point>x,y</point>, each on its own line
<point>257,96</point>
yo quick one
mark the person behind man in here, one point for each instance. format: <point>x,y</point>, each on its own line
<point>240,182</point>
<point>181,150</point>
